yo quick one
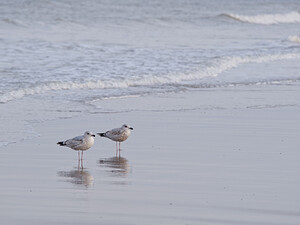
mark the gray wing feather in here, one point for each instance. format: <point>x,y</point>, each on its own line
<point>74,142</point>
<point>114,132</point>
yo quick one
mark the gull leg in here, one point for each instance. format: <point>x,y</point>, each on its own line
<point>119,149</point>
<point>116,149</point>
<point>82,159</point>
<point>78,159</point>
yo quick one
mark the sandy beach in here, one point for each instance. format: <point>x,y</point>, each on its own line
<point>206,157</point>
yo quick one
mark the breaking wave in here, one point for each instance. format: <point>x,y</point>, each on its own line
<point>267,19</point>
<point>218,66</point>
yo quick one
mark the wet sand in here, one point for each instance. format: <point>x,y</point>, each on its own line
<point>208,157</point>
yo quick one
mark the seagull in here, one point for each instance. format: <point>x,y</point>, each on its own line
<point>117,134</point>
<point>79,143</point>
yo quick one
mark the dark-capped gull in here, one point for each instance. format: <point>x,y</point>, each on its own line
<point>79,143</point>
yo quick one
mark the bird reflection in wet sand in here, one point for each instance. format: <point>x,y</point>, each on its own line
<point>78,177</point>
<point>118,166</point>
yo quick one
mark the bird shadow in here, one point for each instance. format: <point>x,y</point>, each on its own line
<point>79,177</point>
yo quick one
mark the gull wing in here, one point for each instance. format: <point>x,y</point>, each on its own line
<point>114,132</point>
<point>76,141</point>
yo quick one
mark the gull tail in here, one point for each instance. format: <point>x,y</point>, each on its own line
<point>61,143</point>
<point>102,134</point>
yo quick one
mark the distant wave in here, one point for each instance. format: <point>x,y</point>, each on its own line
<point>294,38</point>
<point>121,97</point>
<point>217,67</point>
<point>267,19</point>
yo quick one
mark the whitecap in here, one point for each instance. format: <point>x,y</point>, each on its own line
<point>267,19</point>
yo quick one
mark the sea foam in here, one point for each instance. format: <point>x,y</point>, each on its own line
<point>267,19</point>
<point>215,69</point>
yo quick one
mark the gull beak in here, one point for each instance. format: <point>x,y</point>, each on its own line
<point>130,128</point>
<point>93,135</point>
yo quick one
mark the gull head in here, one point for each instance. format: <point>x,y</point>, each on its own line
<point>89,134</point>
<point>125,126</point>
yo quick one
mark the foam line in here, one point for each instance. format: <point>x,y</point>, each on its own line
<point>217,68</point>
<point>267,19</point>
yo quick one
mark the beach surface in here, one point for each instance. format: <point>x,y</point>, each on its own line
<point>215,156</point>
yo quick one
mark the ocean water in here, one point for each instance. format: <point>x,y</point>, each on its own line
<point>62,58</point>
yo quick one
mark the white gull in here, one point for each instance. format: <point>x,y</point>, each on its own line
<point>79,143</point>
<point>118,134</point>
